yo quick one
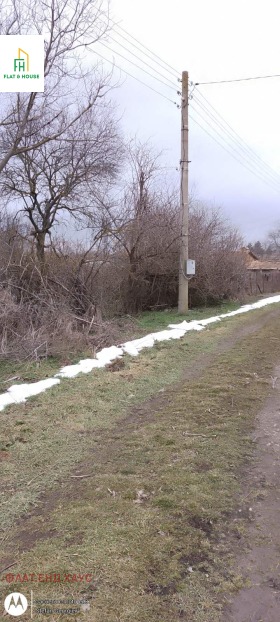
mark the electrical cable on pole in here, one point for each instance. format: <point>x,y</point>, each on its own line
<point>144,62</point>
<point>130,75</point>
<point>232,154</point>
<point>173,88</point>
<point>273,75</point>
<point>167,66</point>
<point>233,135</point>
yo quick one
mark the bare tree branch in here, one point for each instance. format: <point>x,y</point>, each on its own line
<point>30,121</point>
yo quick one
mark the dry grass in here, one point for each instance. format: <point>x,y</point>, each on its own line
<point>153,522</point>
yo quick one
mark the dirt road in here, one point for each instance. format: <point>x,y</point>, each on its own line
<point>260,562</point>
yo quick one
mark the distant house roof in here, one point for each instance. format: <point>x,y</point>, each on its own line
<point>248,255</point>
<point>254,263</point>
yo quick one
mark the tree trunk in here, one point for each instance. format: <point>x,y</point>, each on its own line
<point>40,248</point>
<point>132,301</point>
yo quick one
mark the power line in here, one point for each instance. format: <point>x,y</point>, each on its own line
<point>269,176</point>
<point>148,49</point>
<point>143,61</point>
<point>134,77</point>
<point>232,155</point>
<point>237,135</point>
<point>268,182</point>
<point>274,75</point>
<point>241,144</point>
<point>252,167</point>
<point>228,151</point>
<point>138,66</point>
<point>161,64</point>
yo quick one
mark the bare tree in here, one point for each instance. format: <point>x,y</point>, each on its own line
<point>145,226</point>
<point>148,245</point>
<point>69,27</point>
<point>272,245</point>
<point>68,176</point>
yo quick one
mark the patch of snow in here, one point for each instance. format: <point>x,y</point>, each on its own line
<point>186,326</point>
<point>104,357</point>
<point>134,347</point>
<point>107,355</point>
<point>18,393</point>
<point>5,400</point>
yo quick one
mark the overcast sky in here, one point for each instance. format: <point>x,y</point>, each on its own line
<point>217,40</point>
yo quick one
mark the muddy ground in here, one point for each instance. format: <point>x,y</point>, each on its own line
<point>259,563</point>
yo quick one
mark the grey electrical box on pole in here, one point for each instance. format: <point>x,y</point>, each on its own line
<point>183,280</point>
<point>190,267</point>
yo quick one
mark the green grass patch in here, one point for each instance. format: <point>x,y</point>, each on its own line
<point>155,320</point>
<point>12,372</point>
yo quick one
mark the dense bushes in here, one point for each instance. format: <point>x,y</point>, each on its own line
<point>75,303</point>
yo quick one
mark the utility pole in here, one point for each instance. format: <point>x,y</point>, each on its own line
<point>184,218</point>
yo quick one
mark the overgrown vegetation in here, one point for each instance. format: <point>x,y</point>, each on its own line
<point>64,162</point>
<point>77,299</point>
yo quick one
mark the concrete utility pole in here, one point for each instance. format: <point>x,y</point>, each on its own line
<point>183,281</point>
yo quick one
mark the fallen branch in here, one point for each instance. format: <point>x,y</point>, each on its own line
<point>7,567</point>
<point>81,476</point>
<point>10,379</point>
<point>82,319</point>
<point>203,435</point>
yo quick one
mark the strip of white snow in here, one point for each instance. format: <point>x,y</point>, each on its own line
<point>134,347</point>
<point>105,356</point>
<point>20,392</point>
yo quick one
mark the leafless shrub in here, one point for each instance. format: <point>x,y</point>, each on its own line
<point>144,262</point>
<point>215,245</point>
<point>55,313</point>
